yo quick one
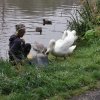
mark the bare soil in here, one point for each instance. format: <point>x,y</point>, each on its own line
<point>90,95</point>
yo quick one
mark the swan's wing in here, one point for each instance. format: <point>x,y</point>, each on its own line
<point>64,35</point>
<point>63,45</point>
<point>59,42</point>
<point>65,50</point>
<point>73,32</point>
<point>60,47</point>
<point>71,49</point>
<point>70,39</point>
<point>67,33</point>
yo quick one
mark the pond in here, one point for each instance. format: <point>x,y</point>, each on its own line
<point>31,13</point>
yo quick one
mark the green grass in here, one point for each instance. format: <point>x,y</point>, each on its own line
<point>58,81</point>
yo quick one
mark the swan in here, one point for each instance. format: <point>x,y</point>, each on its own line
<point>63,46</point>
<point>59,50</point>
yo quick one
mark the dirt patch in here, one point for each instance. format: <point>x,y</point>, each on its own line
<point>91,95</point>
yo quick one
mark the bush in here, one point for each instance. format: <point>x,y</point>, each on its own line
<point>98,5</point>
<point>90,34</point>
<point>84,18</point>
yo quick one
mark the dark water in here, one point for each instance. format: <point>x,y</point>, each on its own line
<point>31,13</point>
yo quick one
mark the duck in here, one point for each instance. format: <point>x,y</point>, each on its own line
<point>64,46</point>
<point>38,57</point>
<point>46,22</point>
<point>39,29</point>
<point>39,48</point>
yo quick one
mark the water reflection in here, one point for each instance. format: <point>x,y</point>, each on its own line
<point>31,13</point>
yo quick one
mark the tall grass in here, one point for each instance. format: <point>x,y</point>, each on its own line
<point>84,18</point>
<point>98,5</point>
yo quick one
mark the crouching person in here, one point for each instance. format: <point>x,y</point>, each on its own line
<point>18,49</point>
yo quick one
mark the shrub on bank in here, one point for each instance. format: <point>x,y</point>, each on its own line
<point>85,18</point>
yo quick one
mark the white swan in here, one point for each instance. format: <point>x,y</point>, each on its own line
<point>63,46</point>
<point>59,50</point>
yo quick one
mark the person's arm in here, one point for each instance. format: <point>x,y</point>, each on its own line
<point>14,50</point>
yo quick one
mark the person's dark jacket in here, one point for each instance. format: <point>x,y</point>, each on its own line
<point>16,47</point>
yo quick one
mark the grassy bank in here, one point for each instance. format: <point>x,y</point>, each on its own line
<point>62,78</point>
<point>59,81</point>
